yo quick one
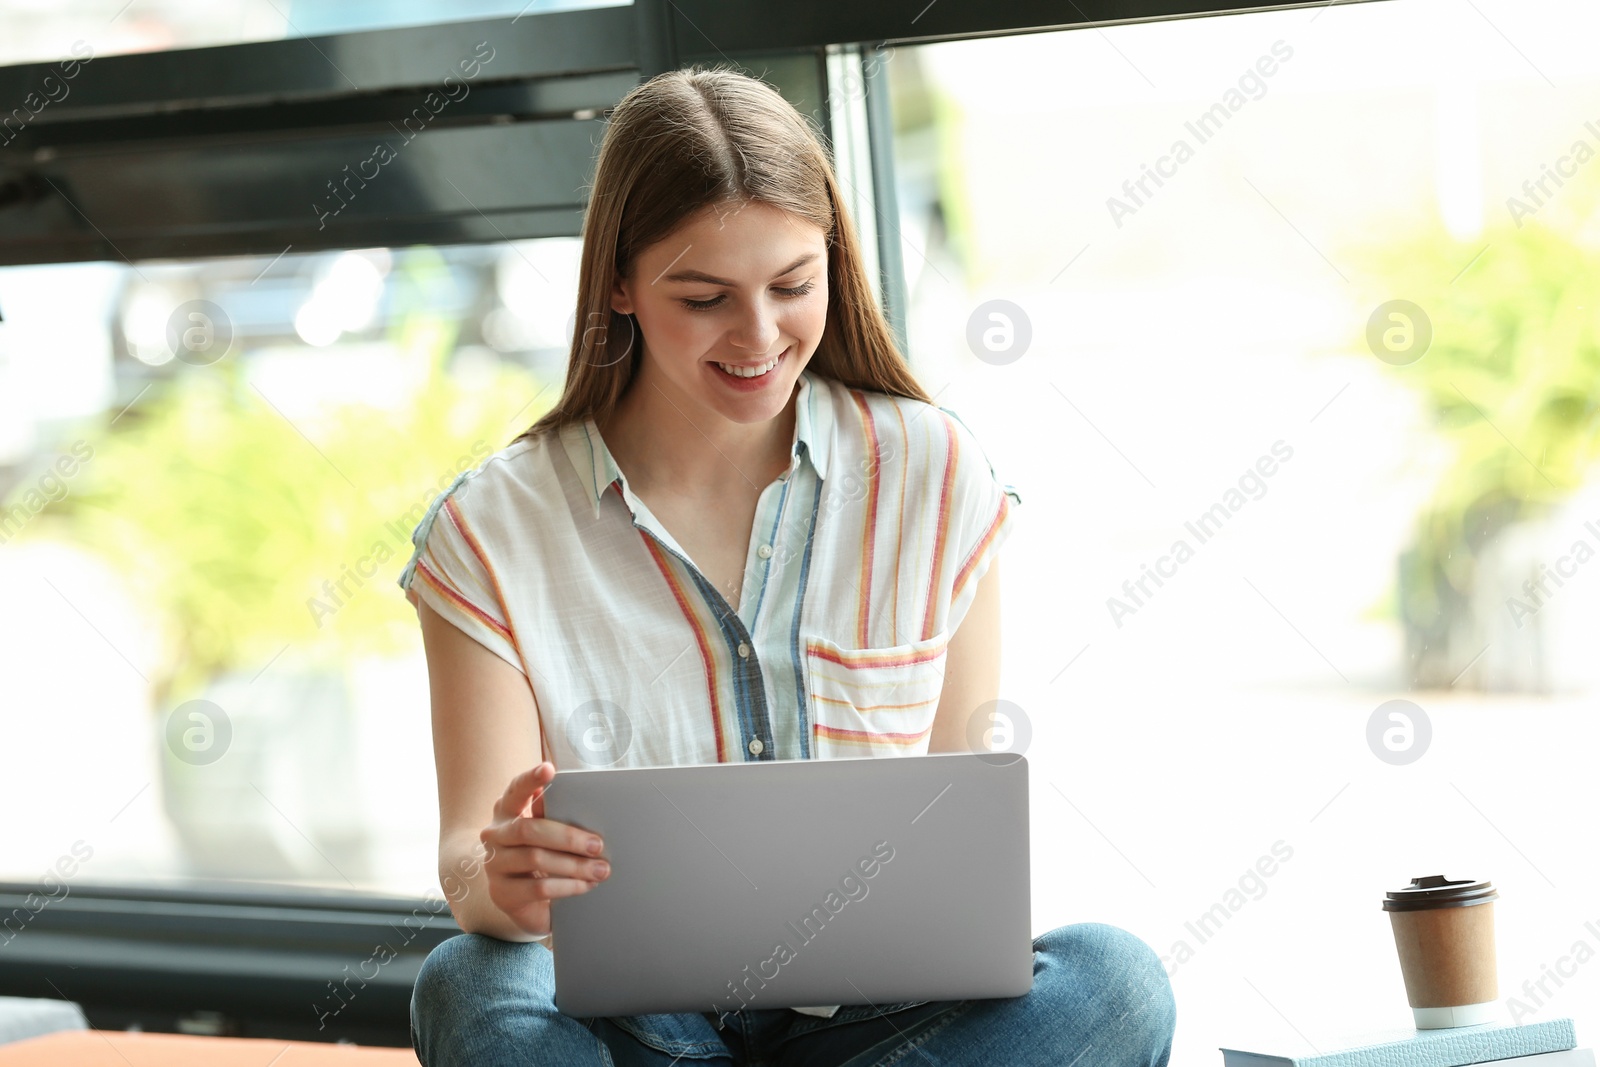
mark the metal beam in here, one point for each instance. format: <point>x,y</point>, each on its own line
<point>266,962</point>
<point>708,28</point>
<point>449,186</point>
<point>555,44</point>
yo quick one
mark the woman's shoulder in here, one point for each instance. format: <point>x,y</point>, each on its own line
<point>520,474</point>
<point>483,509</point>
<point>888,409</point>
<point>891,424</point>
<point>931,442</point>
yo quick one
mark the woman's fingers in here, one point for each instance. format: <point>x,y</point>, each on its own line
<point>528,890</point>
<point>524,788</point>
<point>531,859</point>
<point>551,863</point>
<point>542,780</point>
<point>544,833</point>
<point>550,888</point>
<point>526,900</point>
<point>560,836</point>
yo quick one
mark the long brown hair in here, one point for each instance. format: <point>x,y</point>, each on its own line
<point>679,143</point>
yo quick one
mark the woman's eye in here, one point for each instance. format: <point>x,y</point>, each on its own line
<point>707,305</point>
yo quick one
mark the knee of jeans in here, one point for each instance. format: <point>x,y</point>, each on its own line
<point>1133,994</point>
<point>469,962</point>
<point>440,973</point>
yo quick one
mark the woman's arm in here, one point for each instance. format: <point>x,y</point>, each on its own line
<point>485,733</point>
<point>971,667</point>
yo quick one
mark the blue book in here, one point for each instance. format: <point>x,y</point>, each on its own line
<point>1453,1046</point>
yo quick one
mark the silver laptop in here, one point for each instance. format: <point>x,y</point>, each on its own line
<point>797,882</point>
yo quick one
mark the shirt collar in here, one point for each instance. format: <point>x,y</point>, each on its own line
<point>813,420</point>
<point>813,428</point>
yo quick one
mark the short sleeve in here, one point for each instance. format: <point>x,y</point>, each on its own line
<point>452,572</point>
<point>983,517</point>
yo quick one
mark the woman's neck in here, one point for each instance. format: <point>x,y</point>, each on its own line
<point>665,443</point>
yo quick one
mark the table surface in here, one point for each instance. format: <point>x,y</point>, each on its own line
<point>121,1048</point>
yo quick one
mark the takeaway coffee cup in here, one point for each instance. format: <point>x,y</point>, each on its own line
<point>1444,932</point>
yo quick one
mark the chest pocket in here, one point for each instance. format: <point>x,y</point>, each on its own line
<point>873,701</point>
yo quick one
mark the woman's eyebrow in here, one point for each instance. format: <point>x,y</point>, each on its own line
<point>701,276</point>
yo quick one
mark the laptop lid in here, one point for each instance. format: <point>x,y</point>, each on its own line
<point>797,882</point>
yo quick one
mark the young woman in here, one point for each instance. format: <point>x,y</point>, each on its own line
<point>742,534</point>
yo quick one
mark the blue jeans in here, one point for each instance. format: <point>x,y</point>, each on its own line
<point>1100,998</point>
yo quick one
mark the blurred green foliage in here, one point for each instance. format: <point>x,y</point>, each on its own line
<point>247,533</point>
<point>1512,377</point>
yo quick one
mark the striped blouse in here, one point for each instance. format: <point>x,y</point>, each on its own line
<point>864,557</point>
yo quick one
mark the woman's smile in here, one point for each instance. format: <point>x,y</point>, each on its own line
<point>748,377</point>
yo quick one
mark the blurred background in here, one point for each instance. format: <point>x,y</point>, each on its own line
<point>1344,351</point>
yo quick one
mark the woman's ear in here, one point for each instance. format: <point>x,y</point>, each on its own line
<point>621,302</point>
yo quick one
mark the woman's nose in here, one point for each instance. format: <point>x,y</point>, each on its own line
<point>757,330</point>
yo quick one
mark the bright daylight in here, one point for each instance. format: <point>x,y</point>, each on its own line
<point>372,474</point>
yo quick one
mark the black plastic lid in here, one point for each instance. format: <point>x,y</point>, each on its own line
<point>1437,891</point>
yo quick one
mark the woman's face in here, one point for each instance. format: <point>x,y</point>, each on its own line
<point>735,290</point>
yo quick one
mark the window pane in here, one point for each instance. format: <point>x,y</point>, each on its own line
<point>41,32</point>
<point>208,668</point>
<point>1143,263</point>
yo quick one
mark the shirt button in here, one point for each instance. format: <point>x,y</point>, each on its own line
<point>756,746</point>
<point>765,551</point>
<point>744,650</point>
